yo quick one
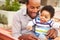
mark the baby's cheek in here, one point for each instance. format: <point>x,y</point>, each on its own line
<point>46,20</point>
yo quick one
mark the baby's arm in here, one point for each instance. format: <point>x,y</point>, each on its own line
<point>29,25</point>
<point>53,32</point>
<point>57,27</point>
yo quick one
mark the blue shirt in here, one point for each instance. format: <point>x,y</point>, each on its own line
<point>41,28</point>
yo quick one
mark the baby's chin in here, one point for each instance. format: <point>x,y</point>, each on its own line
<point>42,21</point>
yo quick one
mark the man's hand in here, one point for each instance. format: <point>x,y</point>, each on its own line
<point>27,37</point>
<point>52,33</point>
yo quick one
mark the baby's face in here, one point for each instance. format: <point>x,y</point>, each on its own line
<point>45,16</point>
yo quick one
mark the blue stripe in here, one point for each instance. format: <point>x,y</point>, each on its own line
<point>37,20</point>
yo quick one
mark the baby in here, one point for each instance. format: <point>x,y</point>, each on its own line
<point>43,22</point>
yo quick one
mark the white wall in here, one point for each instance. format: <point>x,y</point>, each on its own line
<point>2,0</point>
<point>57,12</point>
<point>9,15</point>
<point>52,2</point>
<point>58,3</point>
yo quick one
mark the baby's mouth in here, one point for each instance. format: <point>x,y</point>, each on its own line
<point>42,21</point>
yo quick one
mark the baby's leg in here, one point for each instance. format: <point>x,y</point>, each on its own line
<point>42,37</point>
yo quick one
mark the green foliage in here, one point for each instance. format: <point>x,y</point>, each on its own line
<point>15,6</point>
<point>0,19</point>
<point>3,19</point>
<point>11,5</point>
<point>7,2</point>
<point>24,0</point>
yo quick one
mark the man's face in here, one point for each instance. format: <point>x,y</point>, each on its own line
<point>33,7</point>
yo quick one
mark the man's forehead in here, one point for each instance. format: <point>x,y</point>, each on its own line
<point>39,1</point>
<point>34,3</point>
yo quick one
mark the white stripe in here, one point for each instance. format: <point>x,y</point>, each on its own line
<point>37,20</point>
<point>42,25</point>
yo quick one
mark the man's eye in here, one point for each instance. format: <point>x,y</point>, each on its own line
<point>38,7</point>
<point>46,17</point>
<point>32,7</point>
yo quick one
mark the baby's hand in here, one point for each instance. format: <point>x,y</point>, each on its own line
<point>29,28</point>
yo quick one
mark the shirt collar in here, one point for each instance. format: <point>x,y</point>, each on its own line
<point>50,21</point>
<point>25,12</point>
<point>26,15</point>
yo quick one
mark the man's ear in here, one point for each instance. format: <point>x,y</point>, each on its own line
<point>26,4</point>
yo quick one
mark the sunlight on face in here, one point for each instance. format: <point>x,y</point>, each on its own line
<point>33,7</point>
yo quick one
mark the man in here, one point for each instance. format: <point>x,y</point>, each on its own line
<point>25,15</point>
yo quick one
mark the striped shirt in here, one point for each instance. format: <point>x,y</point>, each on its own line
<point>41,28</point>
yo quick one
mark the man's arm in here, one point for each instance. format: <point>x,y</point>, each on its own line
<point>54,32</point>
<point>16,26</point>
<point>30,25</point>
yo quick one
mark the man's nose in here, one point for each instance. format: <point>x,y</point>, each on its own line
<point>35,10</point>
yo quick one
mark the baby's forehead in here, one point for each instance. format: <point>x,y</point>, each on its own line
<point>45,12</point>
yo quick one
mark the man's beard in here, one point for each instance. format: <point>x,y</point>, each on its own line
<point>31,16</point>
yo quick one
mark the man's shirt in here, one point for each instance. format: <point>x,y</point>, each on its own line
<point>20,21</point>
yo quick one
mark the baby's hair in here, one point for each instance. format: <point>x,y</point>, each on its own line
<point>50,9</point>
